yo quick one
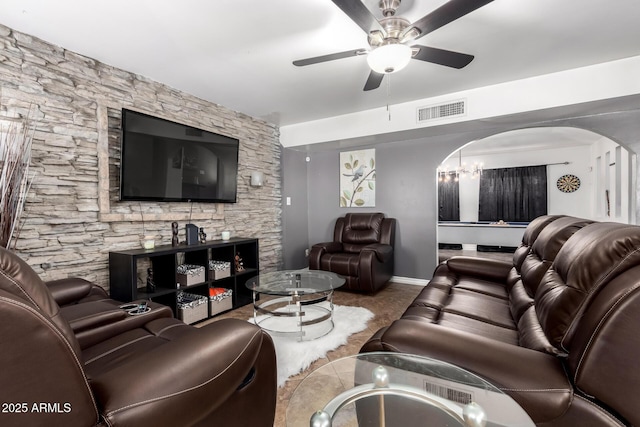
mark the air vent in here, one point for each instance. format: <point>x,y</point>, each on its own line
<point>440,111</point>
<point>448,393</point>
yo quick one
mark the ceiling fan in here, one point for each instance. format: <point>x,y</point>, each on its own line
<point>392,38</point>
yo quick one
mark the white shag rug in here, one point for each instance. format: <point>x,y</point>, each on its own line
<point>295,356</point>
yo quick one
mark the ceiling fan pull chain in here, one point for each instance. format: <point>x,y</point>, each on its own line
<point>388,95</point>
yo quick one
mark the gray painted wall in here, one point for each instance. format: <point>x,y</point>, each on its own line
<point>295,220</point>
<point>405,179</point>
<point>406,173</point>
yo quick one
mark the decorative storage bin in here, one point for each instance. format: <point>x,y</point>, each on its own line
<point>219,269</point>
<point>190,274</point>
<point>191,307</point>
<point>220,300</point>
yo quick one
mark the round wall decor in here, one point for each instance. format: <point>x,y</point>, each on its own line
<point>568,183</point>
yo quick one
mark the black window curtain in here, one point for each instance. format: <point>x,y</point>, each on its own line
<point>513,194</point>
<point>449,201</point>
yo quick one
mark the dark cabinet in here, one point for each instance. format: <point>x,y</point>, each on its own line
<point>129,271</point>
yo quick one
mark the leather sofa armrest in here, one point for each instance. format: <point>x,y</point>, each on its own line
<point>319,249</point>
<point>383,252</point>
<point>480,267</point>
<point>329,247</point>
<point>536,380</point>
<point>73,289</point>
<point>91,315</point>
<point>96,321</point>
<point>183,381</point>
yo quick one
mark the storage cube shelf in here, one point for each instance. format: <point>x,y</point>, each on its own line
<point>189,275</point>
<point>220,300</point>
<point>128,272</point>
<point>192,308</point>
<point>219,269</point>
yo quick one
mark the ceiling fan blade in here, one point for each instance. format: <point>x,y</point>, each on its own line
<point>330,57</point>
<point>359,14</point>
<point>374,80</point>
<point>448,12</point>
<point>447,58</point>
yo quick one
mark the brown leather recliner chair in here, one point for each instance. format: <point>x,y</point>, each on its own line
<point>164,373</point>
<point>361,251</point>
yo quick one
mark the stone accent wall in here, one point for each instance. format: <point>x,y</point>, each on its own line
<point>73,217</point>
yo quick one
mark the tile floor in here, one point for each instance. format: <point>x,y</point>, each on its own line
<point>387,305</point>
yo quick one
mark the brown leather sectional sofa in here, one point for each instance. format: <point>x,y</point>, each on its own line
<point>557,329</point>
<point>90,363</point>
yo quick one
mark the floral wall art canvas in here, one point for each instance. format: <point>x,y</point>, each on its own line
<point>358,178</point>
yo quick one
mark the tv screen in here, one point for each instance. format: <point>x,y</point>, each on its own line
<point>162,160</point>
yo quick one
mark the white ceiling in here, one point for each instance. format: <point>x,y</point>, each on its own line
<point>238,53</point>
<point>531,139</point>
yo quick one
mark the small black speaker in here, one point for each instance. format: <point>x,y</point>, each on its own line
<point>192,234</point>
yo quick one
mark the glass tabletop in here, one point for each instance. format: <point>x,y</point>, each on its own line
<point>301,282</point>
<point>393,389</point>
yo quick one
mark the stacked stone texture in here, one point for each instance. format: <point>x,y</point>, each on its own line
<point>62,233</point>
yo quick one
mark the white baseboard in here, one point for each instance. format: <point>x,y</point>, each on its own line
<point>409,281</point>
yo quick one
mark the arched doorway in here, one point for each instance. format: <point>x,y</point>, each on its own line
<point>587,175</point>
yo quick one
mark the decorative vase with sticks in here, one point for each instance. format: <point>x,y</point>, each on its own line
<point>15,179</point>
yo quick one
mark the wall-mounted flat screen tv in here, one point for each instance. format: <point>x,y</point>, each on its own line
<point>167,161</point>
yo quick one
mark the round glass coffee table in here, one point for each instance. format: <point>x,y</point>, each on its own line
<point>304,295</point>
<point>396,389</point>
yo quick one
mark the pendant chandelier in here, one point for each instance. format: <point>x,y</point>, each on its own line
<point>460,172</point>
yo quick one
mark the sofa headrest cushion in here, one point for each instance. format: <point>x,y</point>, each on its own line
<point>555,235</point>
<point>536,226</point>
<point>19,279</point>
<point>546,248</point>
<point>586,263</point>
<point>362,229</point>
<point>529,237</point>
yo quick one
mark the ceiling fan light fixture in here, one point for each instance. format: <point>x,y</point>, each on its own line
<point>376,38</point>
<point>389,58</point>
<point>408,34</point>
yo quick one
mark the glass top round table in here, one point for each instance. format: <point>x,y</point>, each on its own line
<point>395,389</point>
<point>297,303</point>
